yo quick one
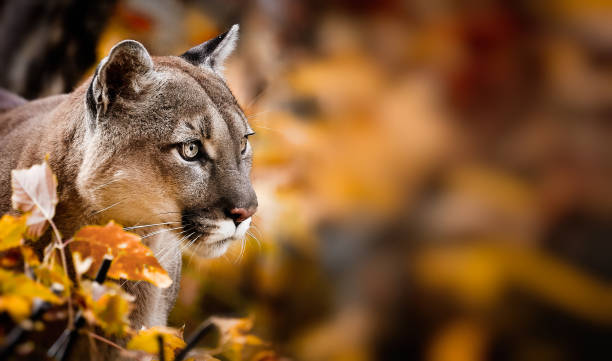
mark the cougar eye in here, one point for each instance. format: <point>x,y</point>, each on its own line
<point>244,142</point>
<point>243,145</point>
<point>190,150</point>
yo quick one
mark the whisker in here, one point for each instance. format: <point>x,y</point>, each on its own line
<point>255,239</point>
<point>256,126</point>
<point>105,184</point>
<point>169,249</point>
<point>255,115</point>
<point>256,229</point>
<point>161,231</point>
<point>195,251</point>
<point>148,225</point>
<point>242,248</point>
<point>107,208</point>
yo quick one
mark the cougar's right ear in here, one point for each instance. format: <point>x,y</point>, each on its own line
<point>118,74</point>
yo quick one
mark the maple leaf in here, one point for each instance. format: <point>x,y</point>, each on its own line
<point>35,191</point>
<point>17,293</point>
<point>132,260</point>
<point>146,340</point>
<point>11,231</point>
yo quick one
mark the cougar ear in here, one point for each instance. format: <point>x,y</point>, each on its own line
<point>119,74</point>
<point>212,53</point>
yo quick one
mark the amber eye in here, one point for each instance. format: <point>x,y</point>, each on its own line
<point>189,151</point>
<point>243,145</point>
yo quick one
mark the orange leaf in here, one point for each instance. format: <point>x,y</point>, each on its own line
<point>35,191</point>
<point>132,260</point>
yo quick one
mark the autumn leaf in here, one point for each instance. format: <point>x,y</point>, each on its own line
<point>132,260</point>
<point>35,191</point>
<point>53,274</point>
<point>235,336</point>
<point>146,340</point>
<point>236,330</point>
<point>265,356</point>
<point>29,256</point>
<point>17,292</point>
<point>11,231</point>
<point>108,306</point>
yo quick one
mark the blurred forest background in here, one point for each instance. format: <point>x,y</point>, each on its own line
<point>434,177</point>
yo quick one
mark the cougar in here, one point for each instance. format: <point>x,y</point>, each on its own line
<point>159,144</point>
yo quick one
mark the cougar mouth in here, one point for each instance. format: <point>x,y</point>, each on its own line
<point>212,237</point>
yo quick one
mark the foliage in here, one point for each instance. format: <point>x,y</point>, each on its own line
<point>11,231</point>
<point>146,340</point>
<point>35,191</point>
<point>105,306</point>
<point>132,260</point>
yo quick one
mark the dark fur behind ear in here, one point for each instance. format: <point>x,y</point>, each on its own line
<point>212,53</point>
<point>118,74</point>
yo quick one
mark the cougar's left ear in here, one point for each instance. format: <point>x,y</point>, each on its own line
<point>212,54</point>
<point>120,74</point>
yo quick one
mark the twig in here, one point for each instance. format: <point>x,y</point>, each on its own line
<point>160,345</point>
<point>58,239</point>
<point>205,328</point>
<point>107,341</point>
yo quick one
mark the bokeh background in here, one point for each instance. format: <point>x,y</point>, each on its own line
<point>434,177</point>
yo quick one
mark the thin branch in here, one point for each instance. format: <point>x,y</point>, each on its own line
<point>58,239</point>
<point>107,341</point>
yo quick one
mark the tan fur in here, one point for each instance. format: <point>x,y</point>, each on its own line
<point>113,144</point>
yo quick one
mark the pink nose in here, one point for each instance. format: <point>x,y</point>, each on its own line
<point>241,214</point>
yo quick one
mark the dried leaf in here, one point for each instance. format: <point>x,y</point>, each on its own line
<point>11,231</point>
<point>235,336</point>
<point>35,191</point>
<point>17,293</point>
<point>146,340</point>
<point>132,260</point>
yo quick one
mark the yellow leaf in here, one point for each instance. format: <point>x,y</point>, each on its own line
<point>146,340</point>
<point>18,307</point>
<point>47,276</point>
<point>265,356</point>
<point>17,293</point>
<point>29,256</point>
<point>35,191</point>
<point>112,312</point>
<point>132,260</point>
<point>11,231</point>
<point>107,305</point>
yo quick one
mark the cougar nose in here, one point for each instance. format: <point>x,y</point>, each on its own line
<point>241,214</point>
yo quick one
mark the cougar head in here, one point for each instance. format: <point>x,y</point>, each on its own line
<point>166,144</point>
